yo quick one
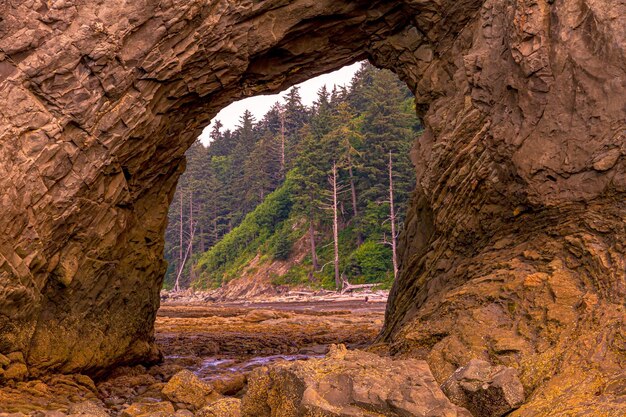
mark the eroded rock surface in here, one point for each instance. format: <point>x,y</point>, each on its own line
<point>225,407</point>
<point>514,249</point>
<point>485,390</point>
<point>55,393</point>
<point>100,102</point>
<point>189,392</point>
<point>147,409</point>
<point>516,238</point>
<point>347,383</point>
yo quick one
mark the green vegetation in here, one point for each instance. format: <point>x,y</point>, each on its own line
<point>264,189</point>
<point>224,260</point>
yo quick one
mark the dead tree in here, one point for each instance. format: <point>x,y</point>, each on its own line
<point>347,287</point>
<point>335,189</point>
<point>191,227</point>
<point>392,219</point>
<point>180,270</point>
<point>283,168</point>
<point>180,249</point>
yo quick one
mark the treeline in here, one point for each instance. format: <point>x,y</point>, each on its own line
<point>293,148</point>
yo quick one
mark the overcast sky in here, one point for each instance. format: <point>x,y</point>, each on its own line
<point>259,105</point>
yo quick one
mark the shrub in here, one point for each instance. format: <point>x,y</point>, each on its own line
<point>297,275</point>
<point>280,245</point>
<point>224,260</point>
<point>370,262</point>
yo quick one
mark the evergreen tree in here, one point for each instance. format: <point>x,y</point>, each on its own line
<point>361,81</point>
<point>321,122</point>
<point>296,116</point>
<point>346,139</point>
<point>219,142</point>
<point>262,170</point>
<point>272,120</point>
<point>387,128</point>
<point>245,141</point>
<point>358,129</point>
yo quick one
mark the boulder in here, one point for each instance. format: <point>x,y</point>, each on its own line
<point>4,361</point>
<point>230,384</point>
<point>16,371</point>
<point>188,391</point>
<point>347,383</point>
<point>257,316</point>
<point>158,409</point>
<point>225,407</point>
<point>485,390</point>
<point>13,367</point>
<point>16,357</point>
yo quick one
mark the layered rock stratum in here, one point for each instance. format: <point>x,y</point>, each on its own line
<point>515,244</point>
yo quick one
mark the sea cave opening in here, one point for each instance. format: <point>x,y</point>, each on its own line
<point>281,238</point>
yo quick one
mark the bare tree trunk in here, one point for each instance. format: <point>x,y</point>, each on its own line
<point>184,259</point>
<point>392,218</point>
<point>312,239</point>
<point>191,229</point>
<point>180,250</point>
<point>202,231</point>
<point>282,144</point>
<point>333,181</point>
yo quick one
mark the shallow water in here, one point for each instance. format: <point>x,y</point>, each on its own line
<point>220,344</point>
<point>214,368</point>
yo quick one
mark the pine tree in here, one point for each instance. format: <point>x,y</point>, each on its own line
<point>296,117</point>
<point>361,81</point>
<point>345,138</point>
<point>309,176</point>
<point>321,122</point>
<point>219,143</point>
<point>244,145</point>
<point>272,119</point>
<point>262,169</point>
<point>387,128</point>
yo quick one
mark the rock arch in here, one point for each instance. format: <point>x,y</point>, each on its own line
<point>515,244</point>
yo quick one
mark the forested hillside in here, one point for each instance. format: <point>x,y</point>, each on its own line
<point>318,174</point>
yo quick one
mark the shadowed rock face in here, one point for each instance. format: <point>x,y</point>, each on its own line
<point>100,102</point>
<point>514,249</point>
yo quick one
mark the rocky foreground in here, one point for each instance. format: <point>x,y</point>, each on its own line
<point>266,359</point>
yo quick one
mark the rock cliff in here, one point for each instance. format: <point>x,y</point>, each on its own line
<point>100,101</point>
<point>515,243</point>
<point>516,238</point>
